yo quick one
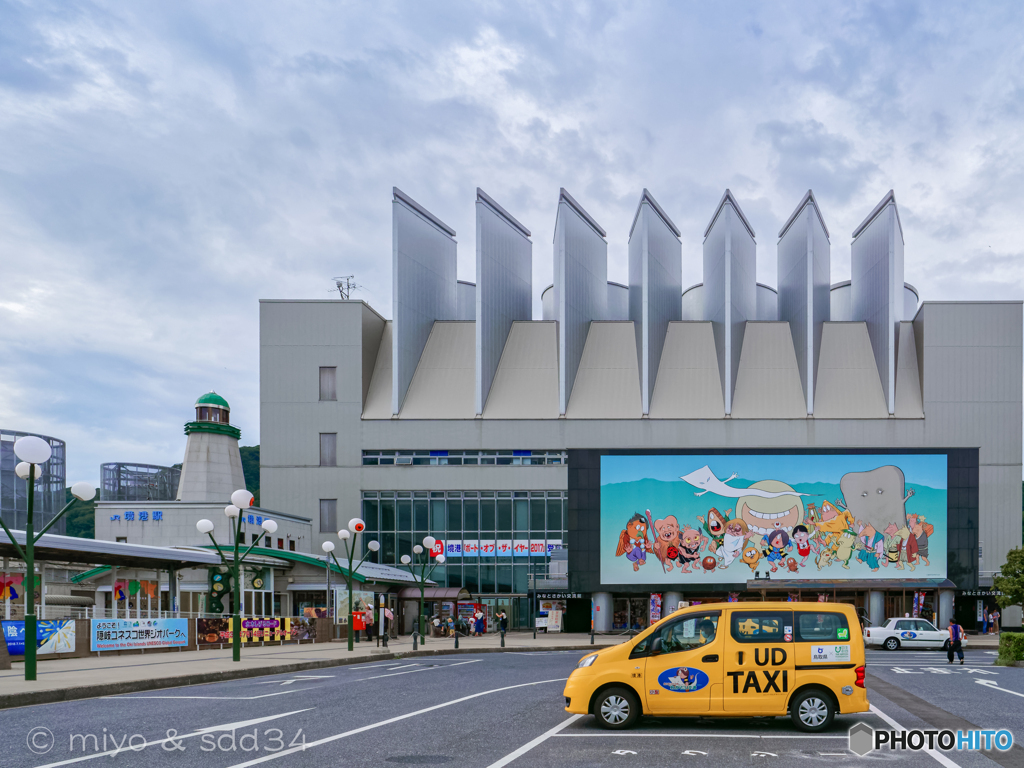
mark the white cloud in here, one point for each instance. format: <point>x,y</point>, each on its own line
<point>166,166</point>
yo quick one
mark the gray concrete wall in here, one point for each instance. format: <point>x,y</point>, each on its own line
<point>969,358</point>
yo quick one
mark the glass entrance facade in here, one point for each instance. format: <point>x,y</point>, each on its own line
<point>399,520</point>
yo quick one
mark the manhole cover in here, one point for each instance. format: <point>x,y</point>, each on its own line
<point>419,759</point>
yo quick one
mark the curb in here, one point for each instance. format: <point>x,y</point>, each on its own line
<point>34,698</point>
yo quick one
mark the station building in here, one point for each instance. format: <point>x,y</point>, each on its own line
<point>623,421</point>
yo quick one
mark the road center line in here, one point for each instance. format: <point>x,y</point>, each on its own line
<point>419,669</point>
<point>536,742</point>
<point>941,758</point>
<point>391,720</point>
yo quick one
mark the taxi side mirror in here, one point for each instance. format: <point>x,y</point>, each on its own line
<point>656,646</point>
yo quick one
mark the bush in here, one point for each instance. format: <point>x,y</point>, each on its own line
<point>1011,648</point>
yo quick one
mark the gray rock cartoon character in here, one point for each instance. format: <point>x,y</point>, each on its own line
<point>877,497</point>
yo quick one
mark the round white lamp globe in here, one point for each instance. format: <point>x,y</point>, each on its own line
<point>417,550</point>
<point>22,470</point>
<point>32,449</point>
<point>356,525</point>
<point>373,546</point>
<point>204,526</point>
<point>327,546</point>
<point>344,535</point>
<point>440,558</point>
<point>406,559</point>
<point>429,542</point>
<point>270,526</point>
<point>232,511</point>
<point>242,499</point>
<point>83,490</point>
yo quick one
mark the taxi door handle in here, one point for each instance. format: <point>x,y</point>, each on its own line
<point>710,657</point>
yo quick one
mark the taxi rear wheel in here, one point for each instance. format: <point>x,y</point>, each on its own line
<point>812,711</point>
<point>616,709</point>
<point>892,644</point>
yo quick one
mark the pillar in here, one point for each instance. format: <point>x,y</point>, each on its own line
<point>113,593</point>
<point>42,590</point>
<point>876,607</point>
<point>670,603</point>
<point>945,608</point>
<point>602,611</point>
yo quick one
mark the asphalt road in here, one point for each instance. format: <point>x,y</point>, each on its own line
<point>488,711</point>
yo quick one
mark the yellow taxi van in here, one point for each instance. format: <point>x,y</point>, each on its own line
<point>729,660</point>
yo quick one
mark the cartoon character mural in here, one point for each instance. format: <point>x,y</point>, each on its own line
<point>877,497</point>
<point>666,540</point>
<point>863,520</point>
<point>633,541</point>
<point>714,527</point>
<point>736,535</point>
<point>781,512</point>
<point>690,542</point>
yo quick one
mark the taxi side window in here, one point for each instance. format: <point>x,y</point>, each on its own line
<point>904,625</point>
<point>924,626</point>
<point>762,626</point>
<point>681,635</point>
<point>821,626</point>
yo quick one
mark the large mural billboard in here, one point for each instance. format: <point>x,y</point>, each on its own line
<point>691,519</point>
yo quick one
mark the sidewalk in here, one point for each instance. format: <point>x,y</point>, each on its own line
<point>84,678</point>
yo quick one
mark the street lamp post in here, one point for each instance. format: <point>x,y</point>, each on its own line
<point>428,546</point>
<point>355,526</point>
<point>240,500</point>
<point>34,452</point>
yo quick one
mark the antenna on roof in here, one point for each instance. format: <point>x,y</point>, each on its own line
<point>345,285</point>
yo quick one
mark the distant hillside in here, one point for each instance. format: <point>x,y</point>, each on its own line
<point>251,469</point>
<point>80,520</point>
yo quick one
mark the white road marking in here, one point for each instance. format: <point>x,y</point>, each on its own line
<point>215,698</point>
<point>198,732</point>
<point>404,666</point>
<point>833,754</point>
<point>938,756</point>
<point>293,680</point>
<point>536,742</point>
<point>691,735</point>
<point>389,721</point>
<point>995,686</point>
<point>418,669</point>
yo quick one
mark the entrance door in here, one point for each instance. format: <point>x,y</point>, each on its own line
<point>684,661</point>
<point>759,664</point>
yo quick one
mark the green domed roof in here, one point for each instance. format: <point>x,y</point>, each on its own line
<point>212,398</point>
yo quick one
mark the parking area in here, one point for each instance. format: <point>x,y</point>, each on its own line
<point>488,711</point>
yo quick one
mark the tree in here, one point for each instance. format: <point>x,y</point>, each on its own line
<point>80,520</point>
<point>251,469</point>
<point>1011,579</point>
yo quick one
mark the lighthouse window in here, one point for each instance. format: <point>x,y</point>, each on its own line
<point>204,414</point>
<point>215,414</point>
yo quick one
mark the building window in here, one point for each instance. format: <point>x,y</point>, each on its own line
<point>280,543</point>
<point>464,458</point>
<point>328,383</point>
<point>328,449</point>
<point>291,545</point>
<point>255,537</point>
<point>328,515</point>
<point>122,539</point>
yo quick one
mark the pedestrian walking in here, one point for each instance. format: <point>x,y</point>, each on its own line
<point>503,622</point>
<point>451,627</point>
<point>478,624</point>
<point>994,617</point>
<point>984,621</point>
<point>956,636</point>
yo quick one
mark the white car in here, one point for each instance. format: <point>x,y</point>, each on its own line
<point>894,634</point>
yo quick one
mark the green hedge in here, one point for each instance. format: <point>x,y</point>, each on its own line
<point>1011,648</point>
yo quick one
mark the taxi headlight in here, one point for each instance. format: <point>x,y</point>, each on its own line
<point>586,662</point>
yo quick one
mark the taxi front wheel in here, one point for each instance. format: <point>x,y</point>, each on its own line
<point>617,709</point>
<point>812,711</point>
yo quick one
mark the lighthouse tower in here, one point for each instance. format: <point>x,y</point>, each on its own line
<point>212,470</point>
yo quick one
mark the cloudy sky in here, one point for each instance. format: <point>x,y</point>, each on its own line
<point>166,165</point>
